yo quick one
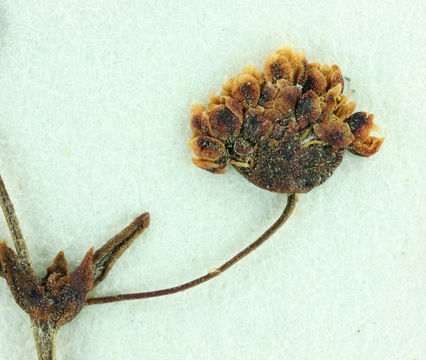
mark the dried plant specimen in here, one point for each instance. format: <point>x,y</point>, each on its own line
<point>285,129</point>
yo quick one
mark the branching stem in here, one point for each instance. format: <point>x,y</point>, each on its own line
<point>291,202</point>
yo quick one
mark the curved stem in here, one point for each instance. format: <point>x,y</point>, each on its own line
<point>291,202</point>
<point>13,224</point>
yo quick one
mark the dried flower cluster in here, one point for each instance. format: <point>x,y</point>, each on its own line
<point>285,129</point>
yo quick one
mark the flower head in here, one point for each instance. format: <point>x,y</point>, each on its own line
<point>285,129</point>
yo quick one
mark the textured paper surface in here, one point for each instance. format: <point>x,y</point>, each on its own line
<point>94,104</point>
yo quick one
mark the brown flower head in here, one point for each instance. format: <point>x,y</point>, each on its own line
<point>285,129</point>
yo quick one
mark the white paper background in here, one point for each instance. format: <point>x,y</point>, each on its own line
<point>94,104</point>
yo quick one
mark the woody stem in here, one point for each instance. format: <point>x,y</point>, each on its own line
<point>13,224</point>
<point>45,340</point>
<point>291,202</point>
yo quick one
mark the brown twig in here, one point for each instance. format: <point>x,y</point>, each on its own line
<point>291,202</point>
<point>13,224</point>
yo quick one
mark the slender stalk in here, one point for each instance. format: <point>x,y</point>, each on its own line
<point>291,202</point>
<point>45,340</point>
<point>13,224</point>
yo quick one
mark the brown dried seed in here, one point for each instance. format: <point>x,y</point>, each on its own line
<point>308,109</point>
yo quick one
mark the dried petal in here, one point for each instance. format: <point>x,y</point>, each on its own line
<point>267,95</point>
<point>255,125</point>
<point>225,120</point>
<point>336,78</point>
<point>280,123</point>
<point>208,148</point>
<point>308,109</point>
<point>335,132</point>
<point>245,89</point>
<point>274,116</point>
<point>105,257</point>
<point>199,120</point>
<point>330,102</point>
<point>251,70</point>
<point>298,64</point>
<point>287,98</point>
<point>368,147</point>
<point>315,81</point>
<point>234,106</point>
<point>277,67</point>
<point>345,110</point>
<point>211,152</point>
<point>223,124</point>
<point>326,70</point>
<point>242,149</point>
<point>361,124</point>
<point>301,73</point>
<point>227,87</point>
<point>286,64</point>
<point>214,168</point>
